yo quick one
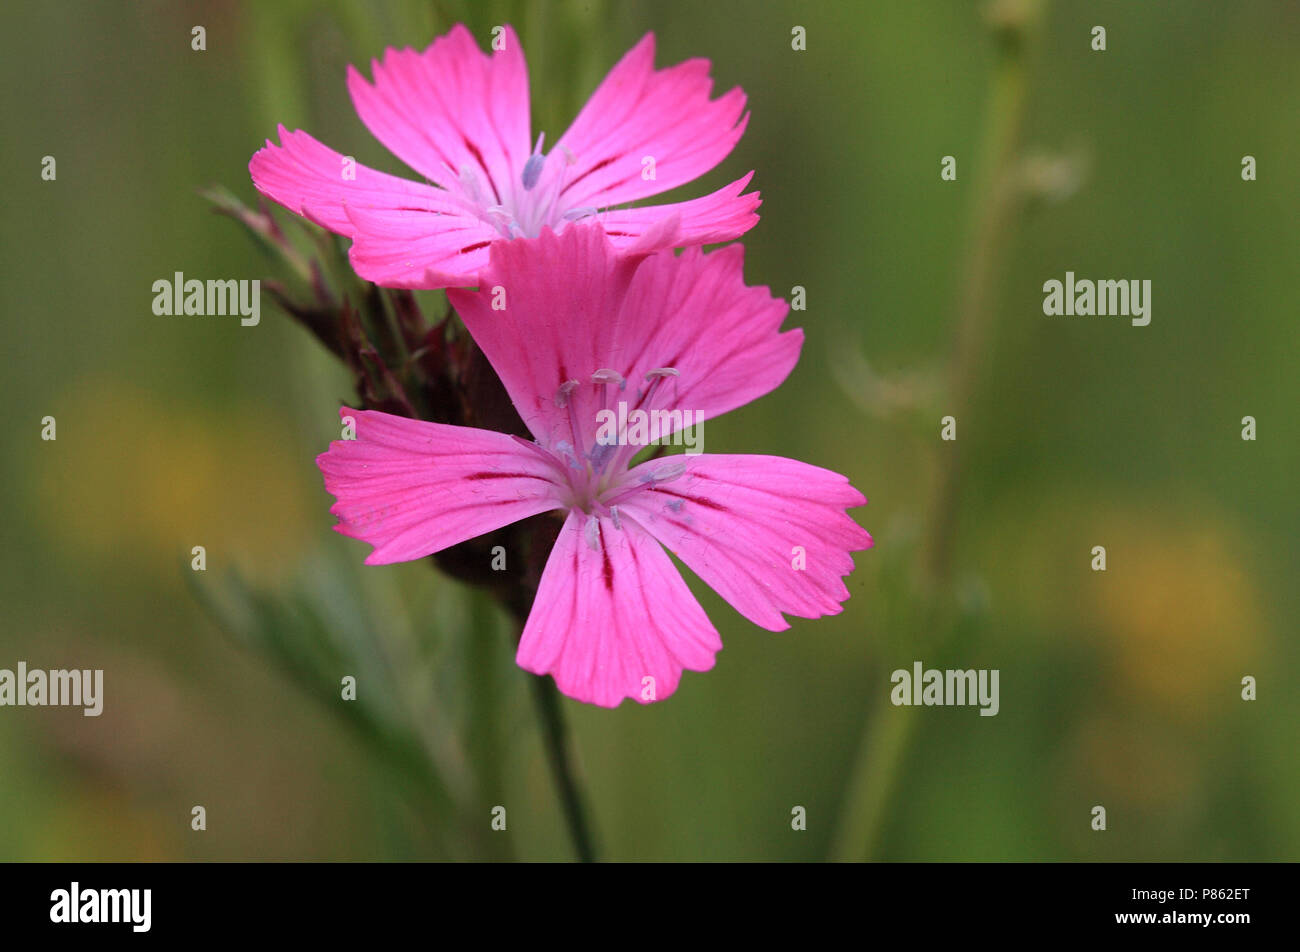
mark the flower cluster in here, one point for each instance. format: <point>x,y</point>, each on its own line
<point>578,306</point>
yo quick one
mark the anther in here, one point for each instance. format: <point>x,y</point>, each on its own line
<point>565,449</point>
<point>533,171</point>
<point>601,453</point>
<point>562,395</point>
<point>533,167</point>
<point>664,473</point>
<point>469,185</point>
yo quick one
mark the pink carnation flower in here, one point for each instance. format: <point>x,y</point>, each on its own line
<point>583,328</point>
<point>460,118</point>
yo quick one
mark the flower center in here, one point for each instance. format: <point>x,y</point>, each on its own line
<point>606,430</point>
<point>522,209</point>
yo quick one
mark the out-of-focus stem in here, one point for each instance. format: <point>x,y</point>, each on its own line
<point>555,738</point>
<point>997,196</point>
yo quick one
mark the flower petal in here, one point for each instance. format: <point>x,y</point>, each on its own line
<point>405,234</point>
<point>613,617</point>
<point>547,311</point>
<point>694,313</point>
<point>569,305</point>
<point>411,488</point>
<point>451,107</point>
<point>768,534</point>
<point>720,216</point>
<point>313,180</point>
<point>639,112</point>
<point>411,248</point>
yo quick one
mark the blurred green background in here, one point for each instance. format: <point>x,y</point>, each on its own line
<point>1119,688</point>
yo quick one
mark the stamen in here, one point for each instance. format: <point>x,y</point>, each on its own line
<point>543,454</point>
<point>562,395</point>
<point>562,401</point>
<point>547,211</point>
<point>664,474</point>
<point>503,220</point>
<point>600,454</point>
<point>565,449</point>
<point>605,375</point>
<point>613,512</point>
<point>589,530</point>
<point>533,167</point>
<point>657,377</point>
<point>644,481</point>
<point>469,184</point>
<point>533,171</point>
<point>645,400</point>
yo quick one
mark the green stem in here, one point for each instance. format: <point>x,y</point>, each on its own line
<point>556,740</point>
<point>880,755</point>
<point>888,732</point>
<point>998,200</point>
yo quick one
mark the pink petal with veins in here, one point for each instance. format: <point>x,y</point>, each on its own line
<point>613,618</point>
<point>768,534</point>
<point>411,488</point>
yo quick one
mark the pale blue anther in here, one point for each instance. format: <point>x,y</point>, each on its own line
<point>565,449</point>
<point>664,473</point>
<point>600,454</point>
<point>533,170</point>
<point>533,167</point>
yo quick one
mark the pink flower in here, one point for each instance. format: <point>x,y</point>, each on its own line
<point>583,328</point>
<point>461,119</point>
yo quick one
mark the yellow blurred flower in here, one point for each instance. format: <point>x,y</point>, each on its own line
<point>136,480</point>
<point>1179,610</point>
